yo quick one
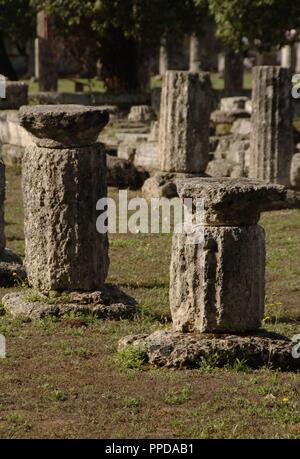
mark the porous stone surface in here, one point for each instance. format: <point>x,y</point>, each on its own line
<point>141,113</point>
<point>163,185</point>
<point>229,104</point>
<point>107,303</point>
<point>220,168</point>
<point>242,127</point>
<point>11,270</point>
<point>218,283</point>
<point>272,143</point>
<point>16,95</point>
<point>63,250</point>
<point>220,117</point>
<point>63,126</point>
<point>230,202</point>
<point>147,155</point>
<point>179,350</point>
<point>184,122</point>
<point>295,172</point>
<point>122,173</point>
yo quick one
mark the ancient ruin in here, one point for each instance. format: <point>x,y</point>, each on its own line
<point>217,284</point>
<point>183,129</point>
<point>64,175</point>
<point>272,142</point>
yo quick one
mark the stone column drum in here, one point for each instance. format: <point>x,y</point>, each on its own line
<point>184,122</point>
<point>272,143</point>
<point>63,176</point>
<point>218,285</point>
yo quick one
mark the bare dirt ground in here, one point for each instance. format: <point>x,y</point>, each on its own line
<point>62,379</point>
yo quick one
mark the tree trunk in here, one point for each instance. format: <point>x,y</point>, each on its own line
<point>6,67</point>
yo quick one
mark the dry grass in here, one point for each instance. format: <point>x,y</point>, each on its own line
<point>62,380</point>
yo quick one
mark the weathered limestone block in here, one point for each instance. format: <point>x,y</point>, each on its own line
<point>242,127</point>
<point>60,191</point>
<point>63,126</point>
<point>184,122</point>
<point>228,104</point>
<point>10,130</point>
<point>184,350</point>
<point>220,168</point>
<point>147,155</point>
<point>16,95</point>
<point>141,114</point>
<point>272,144</point>
<point>217,285</point>
<point>63,177</point>
<point>295,172</point>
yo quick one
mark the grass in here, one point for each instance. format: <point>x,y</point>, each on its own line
<point>63,379</point>
<point>93,85</point>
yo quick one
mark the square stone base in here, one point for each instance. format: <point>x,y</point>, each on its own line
<point>108,303</point>
<point>171,349</point>
<point>11,269</point>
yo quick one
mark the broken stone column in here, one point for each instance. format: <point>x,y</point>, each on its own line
<point>217,282</point>
<point>195,58</point>
<point>11,269</point>
<point>63,177</point>
<point>272,143</point>
<point>233,72</point>
<point>218,286</point>
<point>46,53</point>
<point>183,128</point>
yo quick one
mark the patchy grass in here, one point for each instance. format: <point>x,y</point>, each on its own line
<point>61,378</point>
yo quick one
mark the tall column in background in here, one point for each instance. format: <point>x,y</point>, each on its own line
<point>45,53</point>
<point>234,72</point>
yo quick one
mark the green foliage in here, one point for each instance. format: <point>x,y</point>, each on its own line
<point>17,21</point>
<point>262,22</point>
<point>132,357</point>
<point>177,397</point>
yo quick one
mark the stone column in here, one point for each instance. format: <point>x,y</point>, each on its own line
<point>163,57</point>
<point>233,73</point>
<point>63,176</point>
<point>297,57</point>
<point>2,196</point>
<point>10,264</point>
<point>217,284</point>
<point>286,57</point>
<point>272,144</point>
<point>46,53</point>
<point>195,60</point>
<point>184,122</point>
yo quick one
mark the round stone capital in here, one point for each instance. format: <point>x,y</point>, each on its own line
<point>63,126</point>
<point>230,202</point>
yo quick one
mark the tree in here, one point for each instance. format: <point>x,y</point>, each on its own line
<point>260,24</point>
<point>120,33</point>
<point>17,23</point>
